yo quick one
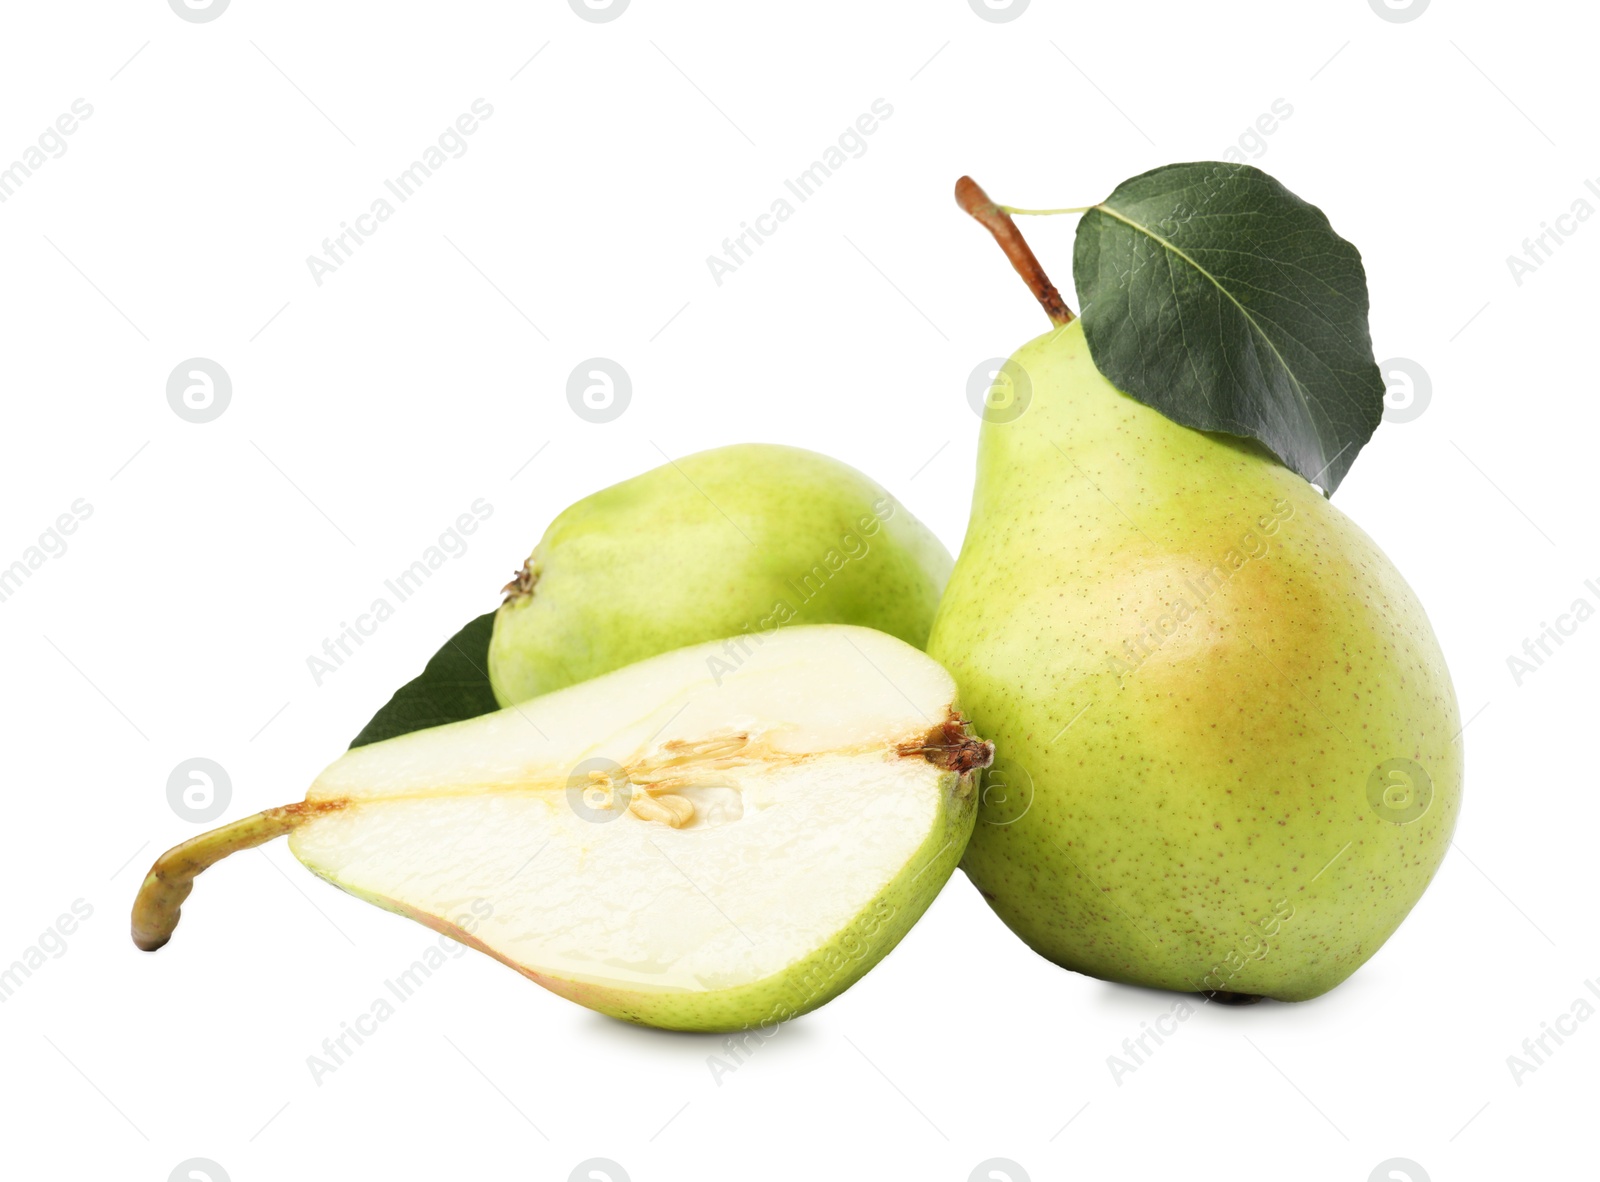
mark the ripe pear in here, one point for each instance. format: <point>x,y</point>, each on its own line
<point>724,543</point>
<point>1227,745</point>
<point>667,844</point>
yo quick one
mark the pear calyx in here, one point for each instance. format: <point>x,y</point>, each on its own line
<point>522,583</point>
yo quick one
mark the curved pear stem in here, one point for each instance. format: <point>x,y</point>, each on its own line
<point>158,905</point>
<point>994,218</point>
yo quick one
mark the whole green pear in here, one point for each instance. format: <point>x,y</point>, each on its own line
<point>732,542</point>
<point>1227,753</point>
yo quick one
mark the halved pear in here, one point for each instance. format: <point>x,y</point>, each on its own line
<point>720,837</point>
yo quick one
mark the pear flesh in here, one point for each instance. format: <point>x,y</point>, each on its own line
<point>734,541</point>
<point>1227,743</point>
<point>672,844</point>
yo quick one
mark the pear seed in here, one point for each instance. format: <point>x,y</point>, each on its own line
<point>667,809</point>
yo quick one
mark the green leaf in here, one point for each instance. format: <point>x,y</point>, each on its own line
<point>1213,294</point>
<point>453,685</point>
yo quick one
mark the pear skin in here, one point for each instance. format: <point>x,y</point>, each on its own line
<point>731,542</point>
<point>1227,746</point>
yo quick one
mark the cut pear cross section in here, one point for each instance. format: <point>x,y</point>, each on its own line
<point>720,837</point>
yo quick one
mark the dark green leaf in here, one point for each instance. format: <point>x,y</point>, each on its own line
<point>1213,294</point>
<point>454,685</point>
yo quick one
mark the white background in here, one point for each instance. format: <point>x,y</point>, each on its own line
<point>369,411</point>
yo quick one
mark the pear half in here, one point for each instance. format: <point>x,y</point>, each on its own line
<point>720,837</point>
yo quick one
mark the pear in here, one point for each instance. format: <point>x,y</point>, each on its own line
<point>1226,740</point>
<point>724,543</point>
<point>666,844</point>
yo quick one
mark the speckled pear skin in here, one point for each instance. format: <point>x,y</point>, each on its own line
<point>722,543</point>
<point>1192,667</point>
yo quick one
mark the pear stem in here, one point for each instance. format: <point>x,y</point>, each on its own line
<point>157,908</point>
<point>994,218</point>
